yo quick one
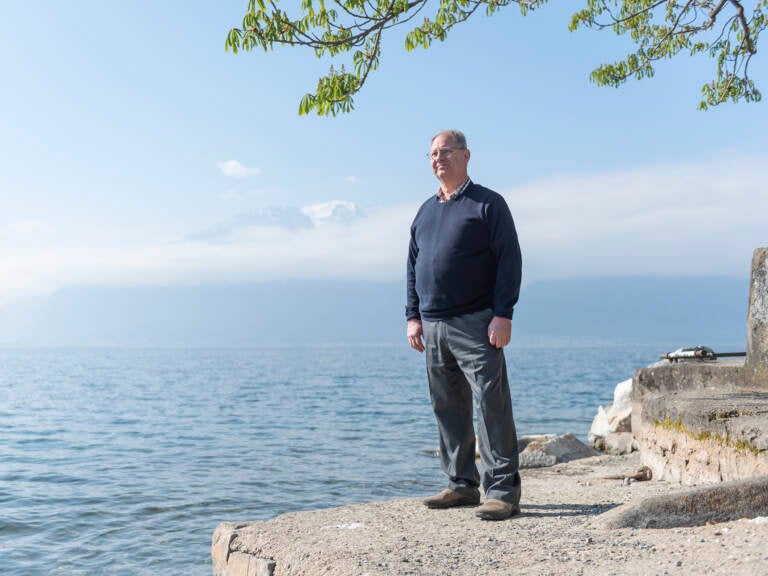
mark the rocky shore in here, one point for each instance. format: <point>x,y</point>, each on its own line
<point>561,531</point>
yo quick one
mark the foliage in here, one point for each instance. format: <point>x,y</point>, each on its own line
<point>354,29</point>
<point>355,26</point>
<point>662,29</point>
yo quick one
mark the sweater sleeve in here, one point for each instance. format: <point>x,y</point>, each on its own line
<point>412,298</point>
<point>506,250</point>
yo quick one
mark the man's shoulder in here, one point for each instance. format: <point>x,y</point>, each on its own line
<point>427,205</point>
<point>482,194</point>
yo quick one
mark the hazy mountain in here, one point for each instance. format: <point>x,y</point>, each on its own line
<point>677,311</point>
<point>337,211</point>
<point>687,311</point>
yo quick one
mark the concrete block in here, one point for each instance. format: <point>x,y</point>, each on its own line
<point>757,321</point>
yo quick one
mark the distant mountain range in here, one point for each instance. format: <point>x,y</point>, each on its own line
<point>287,217</point>
<point>673,311</point>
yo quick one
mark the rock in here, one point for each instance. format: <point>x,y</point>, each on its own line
<point>622,396</point>
<point>616,417</point>
<point>600,426</point>
<point>617,443</point>
<point>228,562</point>
<point>549,449</point>
<point>536,459</point>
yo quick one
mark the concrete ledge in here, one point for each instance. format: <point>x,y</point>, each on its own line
<point>676,456</point>
<point>229,562</point>
<point>556,534</point>
<point>696,375</point>
<point>719,503</point>
<point>700,422</point>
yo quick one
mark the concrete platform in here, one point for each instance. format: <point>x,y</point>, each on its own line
<point>560,532</point>
<point>702,423</point>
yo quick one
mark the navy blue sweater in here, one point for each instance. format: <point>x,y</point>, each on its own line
<point>463,257</point>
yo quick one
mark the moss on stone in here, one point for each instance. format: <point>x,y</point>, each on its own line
<point>743,446</point>
<point>729,414</point>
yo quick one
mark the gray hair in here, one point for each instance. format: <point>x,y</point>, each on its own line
<point>457,135</point>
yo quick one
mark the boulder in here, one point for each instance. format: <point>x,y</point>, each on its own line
<point>536,459</point>
<point>550,449</point>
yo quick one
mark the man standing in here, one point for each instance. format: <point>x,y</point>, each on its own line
<point>464,270</point>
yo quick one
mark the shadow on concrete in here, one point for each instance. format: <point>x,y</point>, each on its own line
<point>554,510</point>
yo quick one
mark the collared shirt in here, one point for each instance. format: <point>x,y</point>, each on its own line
<point>455,194</point>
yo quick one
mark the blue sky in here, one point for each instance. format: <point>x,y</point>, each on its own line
<point>135,150</point>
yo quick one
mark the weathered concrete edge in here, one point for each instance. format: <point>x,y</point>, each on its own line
<point>757,320</point>
<point>724,502</point>
<point>228,562</point>
<point>680,458</point>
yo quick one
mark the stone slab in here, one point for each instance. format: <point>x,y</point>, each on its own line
<point>757,320</point>
<point>664,377</point>
<point>717,503</point>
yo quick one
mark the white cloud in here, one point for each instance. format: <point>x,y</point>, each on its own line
<point>697,219</point>
<point>685,219</point>
<point>333,211</point>
<point>351,179</point>
<point>232,194</point>
<point>287,217</point>
<point>372,248</point>
<point>26,232</point>
<point>28,226</point>
<point>235,169</point>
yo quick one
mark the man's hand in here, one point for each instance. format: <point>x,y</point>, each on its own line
<point>500,331</point>
<point>415,335</point>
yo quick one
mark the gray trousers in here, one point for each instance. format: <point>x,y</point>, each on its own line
<point>462,364</point>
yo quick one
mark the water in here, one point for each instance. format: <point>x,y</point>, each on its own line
<point>124,461</point>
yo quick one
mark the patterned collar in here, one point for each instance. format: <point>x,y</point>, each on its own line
<point>455,194</point>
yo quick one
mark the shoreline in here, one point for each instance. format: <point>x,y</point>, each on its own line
<point>558,533</point>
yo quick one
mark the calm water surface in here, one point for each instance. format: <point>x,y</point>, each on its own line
<point>124,461</point>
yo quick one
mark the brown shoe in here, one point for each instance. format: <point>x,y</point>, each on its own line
<point>449,498</point>
<point>494,509</point>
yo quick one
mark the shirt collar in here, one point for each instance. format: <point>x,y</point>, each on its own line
<point>456,193</point>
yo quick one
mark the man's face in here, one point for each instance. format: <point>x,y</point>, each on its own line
<point>449,163</point>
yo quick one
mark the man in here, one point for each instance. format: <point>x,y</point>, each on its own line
<point>464,270</point>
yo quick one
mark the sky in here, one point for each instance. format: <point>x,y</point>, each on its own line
<point>135,151</point>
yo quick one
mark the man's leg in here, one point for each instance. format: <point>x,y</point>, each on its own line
<point>485,368</point>
<point>452,403</point>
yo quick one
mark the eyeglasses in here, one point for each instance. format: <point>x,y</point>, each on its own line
<point>437,152</point>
